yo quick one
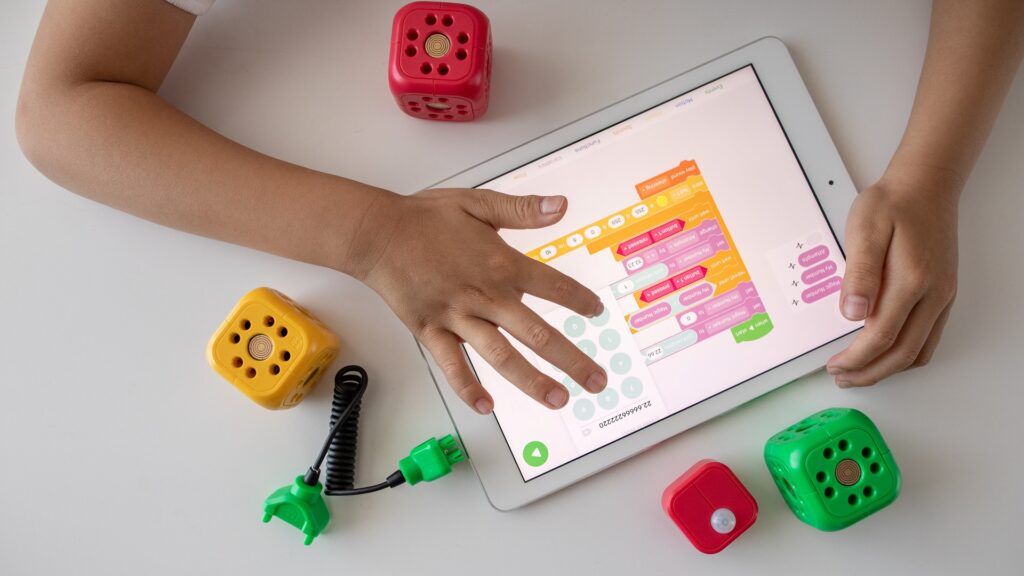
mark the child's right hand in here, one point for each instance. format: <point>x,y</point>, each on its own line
<point>437,260</point>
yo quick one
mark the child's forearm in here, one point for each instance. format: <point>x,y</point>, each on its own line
<point>974,50</point>
<point>101,131</point>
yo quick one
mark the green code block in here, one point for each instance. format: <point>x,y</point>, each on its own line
<point>759,325</point>
<point>833,468</point>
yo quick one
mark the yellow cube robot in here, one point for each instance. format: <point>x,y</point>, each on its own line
<point>272,349</point>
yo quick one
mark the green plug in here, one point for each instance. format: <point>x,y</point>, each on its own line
<point>301,506</point>
<point>430,460</point>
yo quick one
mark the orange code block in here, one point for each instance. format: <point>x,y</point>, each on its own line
<point>272,349</point>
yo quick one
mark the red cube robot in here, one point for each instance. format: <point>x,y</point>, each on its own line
<point>710,505</point>
<point>440,63</point>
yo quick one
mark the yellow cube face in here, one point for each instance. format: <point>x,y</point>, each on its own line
<point>272,349</point>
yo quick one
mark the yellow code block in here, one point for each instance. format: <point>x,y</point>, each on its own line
<point>272,349</point>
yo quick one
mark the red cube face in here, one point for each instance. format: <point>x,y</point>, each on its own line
<point>440,63</point>
<point>710,505</point>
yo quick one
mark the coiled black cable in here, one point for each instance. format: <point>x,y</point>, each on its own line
<point>340,446</point>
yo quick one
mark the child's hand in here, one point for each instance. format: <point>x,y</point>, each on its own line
<point>900,273</point>
<point>438,261</point>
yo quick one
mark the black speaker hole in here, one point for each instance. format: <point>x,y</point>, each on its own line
<point>869,491</point>
<point>234,338</point>
<point>410,51</point>
<point>245,324</point>
<point>412,34</point>
<point>830,492</point>
<point>866,452</point>
<point>250,372</point>
<point>875,468</point>
<point>286,355</point>
<point>426,68</point>
<point>831,182</point>
<point>442,69</point>
<point>430,19</point>
<point>283,331</point>
<point>447,20</point>
<point>236,362</point>
<point>844,445</point>
<point>275,369</point>
<point>853,500</point>
<point>268,321</point>
<point>462,38</point>
<point>820,476</point>
<point>449,117</point>
<point>432,115</point>
<point>828,453</point>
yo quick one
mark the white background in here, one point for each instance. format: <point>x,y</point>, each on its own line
<point>121,452</point>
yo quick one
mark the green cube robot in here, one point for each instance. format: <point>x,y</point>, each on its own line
<point>833,468</point>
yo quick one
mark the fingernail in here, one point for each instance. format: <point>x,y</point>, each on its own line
<point>598,311</point>
<point>842,383</point>
<point>835,370</point>
<point>557,397</point>
<point>483,406</point>
<point>596,382</point>
<point>552,204</point>
<point>855,307</point>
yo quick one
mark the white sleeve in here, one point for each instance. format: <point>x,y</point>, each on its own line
<point>197,7</point>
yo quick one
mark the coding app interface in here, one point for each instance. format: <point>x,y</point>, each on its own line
<point>696,226</point>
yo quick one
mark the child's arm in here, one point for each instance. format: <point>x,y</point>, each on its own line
<point>901,234</point>
<point>89,118</point>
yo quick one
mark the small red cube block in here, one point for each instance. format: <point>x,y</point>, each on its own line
<point>440,63</point>
<point>710,505</point>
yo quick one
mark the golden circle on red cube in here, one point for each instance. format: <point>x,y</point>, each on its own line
<point>440,62</point>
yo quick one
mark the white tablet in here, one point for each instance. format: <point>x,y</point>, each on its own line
<point>707,212</point>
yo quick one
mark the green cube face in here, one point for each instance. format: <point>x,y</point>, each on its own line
<point>833,468</point>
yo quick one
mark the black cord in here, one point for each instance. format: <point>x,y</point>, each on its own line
<point>340,446</point>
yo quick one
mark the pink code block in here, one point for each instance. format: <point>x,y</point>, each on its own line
<point>819,272</point>
<point>650,315</point>
<point>633,244</point>
<point>813,256</point>
<point>819,291</point>
<point>667,229</point>
<point>692,275</point>
<point>695,295</point>
<point>657,291</point>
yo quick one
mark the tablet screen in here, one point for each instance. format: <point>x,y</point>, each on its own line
<point>695,224</point>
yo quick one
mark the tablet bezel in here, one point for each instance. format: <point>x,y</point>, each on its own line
<point>481,436</point>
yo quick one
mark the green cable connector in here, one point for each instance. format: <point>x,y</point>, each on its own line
<point>430,460</point>
<point>303,506</point>
<point>300,505</point>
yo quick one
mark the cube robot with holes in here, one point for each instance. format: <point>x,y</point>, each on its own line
<point>833,468</point>
<point>271,349</point>
<point>440,62</point>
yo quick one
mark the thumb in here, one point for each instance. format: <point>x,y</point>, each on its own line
<point>507,211</point>
<point>867,241</point>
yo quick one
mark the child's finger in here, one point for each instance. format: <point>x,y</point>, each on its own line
<point>507,211</point>
<point>882,329</point>
<point>867,241</point>
<point>499,353</point>
<point>545,282</point>
<point>903,353</point>
<point>529,328</point>
<point>447,352</point>
<point>933,339</point>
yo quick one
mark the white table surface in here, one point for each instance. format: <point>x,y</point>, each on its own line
<point>121,452</point>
